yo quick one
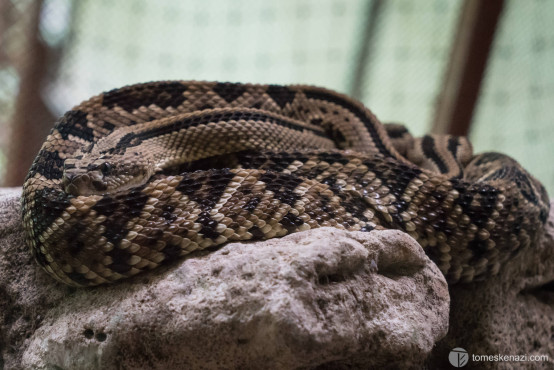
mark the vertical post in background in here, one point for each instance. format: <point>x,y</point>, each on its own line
<point>367,41</point>
<point>467,65</point>
<point>31,119</point>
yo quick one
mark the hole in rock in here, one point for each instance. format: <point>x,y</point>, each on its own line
<point>88,333</point>
<point>101,337</point>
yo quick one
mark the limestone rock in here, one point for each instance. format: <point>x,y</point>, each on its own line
<point>323,298</point>
<point>510,314</point>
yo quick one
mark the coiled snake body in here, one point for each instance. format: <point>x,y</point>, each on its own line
<point>144,174</point>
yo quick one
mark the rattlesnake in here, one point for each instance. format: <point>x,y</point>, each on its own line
<point>141,175</point>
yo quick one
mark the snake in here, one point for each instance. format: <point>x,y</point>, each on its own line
<point>140,176</point>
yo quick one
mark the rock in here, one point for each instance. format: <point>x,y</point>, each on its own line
<point>510,314</point>
<point>323,298</point>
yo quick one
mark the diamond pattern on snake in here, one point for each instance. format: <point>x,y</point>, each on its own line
<point>145,174</point>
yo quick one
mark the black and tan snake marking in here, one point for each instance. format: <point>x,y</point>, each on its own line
<point>142,175</point>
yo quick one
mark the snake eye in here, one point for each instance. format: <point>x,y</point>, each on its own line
<point>105,168</point>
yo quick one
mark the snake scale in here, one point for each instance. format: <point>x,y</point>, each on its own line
<point>142,175</point>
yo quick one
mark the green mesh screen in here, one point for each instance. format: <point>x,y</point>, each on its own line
<point>117,43</point>
<point>407,61</point>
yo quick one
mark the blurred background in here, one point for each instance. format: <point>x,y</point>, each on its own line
<point>481,68</point>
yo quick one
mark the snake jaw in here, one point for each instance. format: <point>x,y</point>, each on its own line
<point>84,184</point>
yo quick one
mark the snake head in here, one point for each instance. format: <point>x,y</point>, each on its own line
<point>90,174</point>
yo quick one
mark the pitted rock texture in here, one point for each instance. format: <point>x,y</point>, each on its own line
<point>510,314</point>
<point>323,298</point>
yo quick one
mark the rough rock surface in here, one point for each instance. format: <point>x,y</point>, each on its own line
<point>510,314</point>
<point>323,298</point>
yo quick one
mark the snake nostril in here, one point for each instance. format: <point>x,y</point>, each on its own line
<point>68,179</point>
<point>71,189</point>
